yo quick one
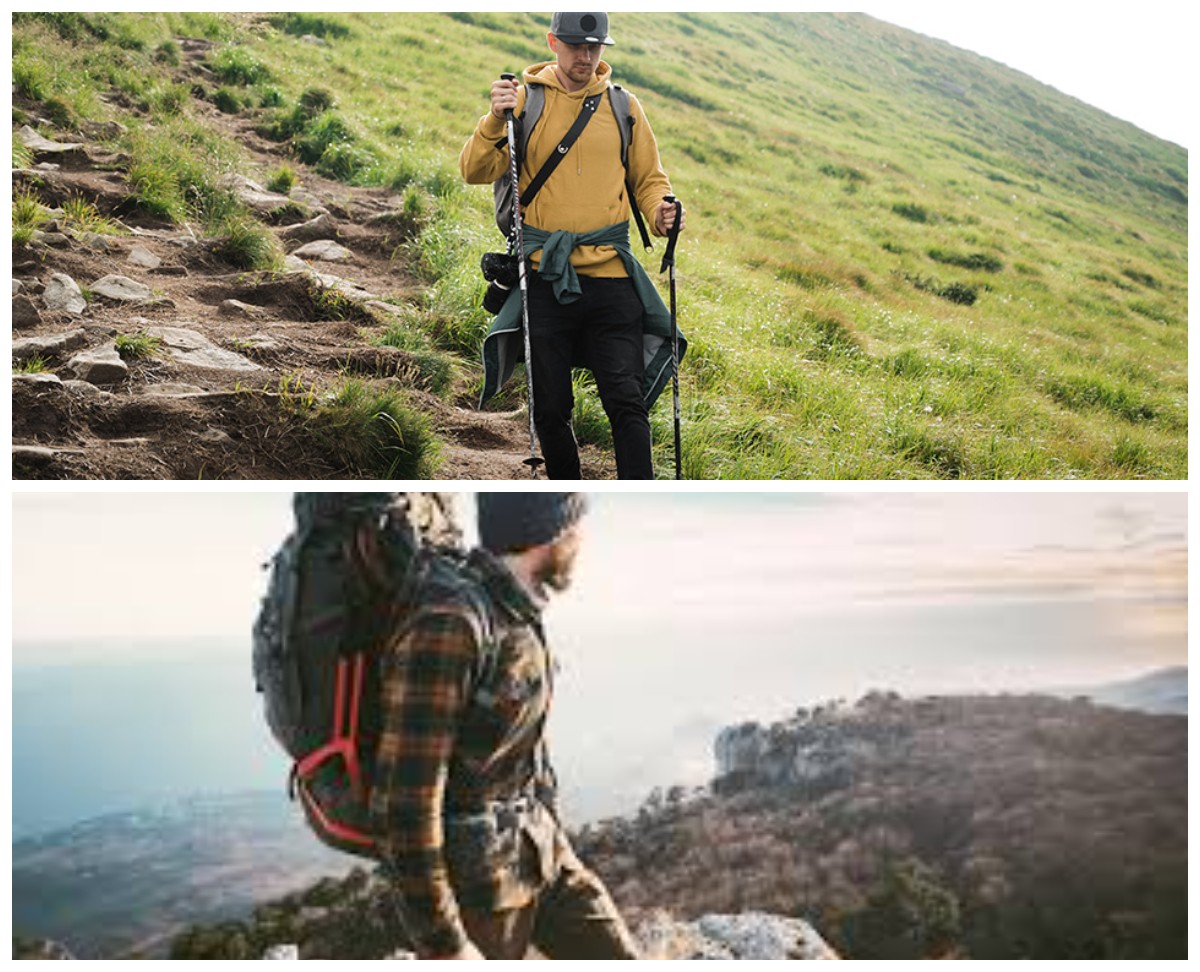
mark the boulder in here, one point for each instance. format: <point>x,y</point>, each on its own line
<point>190,348</point>
<point>99,366</point>
<point>24,313</point>
<point>752,936</point>
<point>116,287</point>
<point>62,295</point>
<point>139,256</point>
<point>322,227</point>
<point>235,308</point>
<point>49,346</point>
<point>97,242</point>
<point>326,250</point>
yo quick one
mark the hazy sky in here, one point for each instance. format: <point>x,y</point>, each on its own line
<point>92,567</point>
<point>1133,61</point>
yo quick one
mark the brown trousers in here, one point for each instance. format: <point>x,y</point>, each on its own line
<point>574,918</point>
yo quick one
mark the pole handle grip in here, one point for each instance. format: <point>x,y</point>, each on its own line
<point>506,76</point>
<point>673,235</point>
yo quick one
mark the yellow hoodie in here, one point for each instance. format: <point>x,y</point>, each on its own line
<point>587,190</point>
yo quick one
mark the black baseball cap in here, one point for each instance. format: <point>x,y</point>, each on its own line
<point>581,28</point>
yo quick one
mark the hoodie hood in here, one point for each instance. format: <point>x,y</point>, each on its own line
<point>545,74</point>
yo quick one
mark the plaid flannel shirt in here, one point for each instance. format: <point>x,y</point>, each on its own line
<point>459,736</point>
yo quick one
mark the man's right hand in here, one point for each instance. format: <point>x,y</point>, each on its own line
<point>504,97</point>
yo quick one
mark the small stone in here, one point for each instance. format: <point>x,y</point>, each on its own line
<point>50,346</point>
<point>24,313</point>
<point>139,256</point>
<point>83,389</point>
<point>235,308</point>
<point>326,250</point>
<point>296,265</point>
<point>102,130</point>
<point>322,227</point>
<point>215,437</point>
<point>99,366</point>
<point>95,241</point>
<point>17,287</point>
<point>58,241</point>
<point>263,342</point>
<point>63,295</point>
<point>119,288</point>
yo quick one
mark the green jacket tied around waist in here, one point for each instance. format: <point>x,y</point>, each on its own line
<point>504,346</point>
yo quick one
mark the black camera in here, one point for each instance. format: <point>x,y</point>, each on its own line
<point>500,271</point>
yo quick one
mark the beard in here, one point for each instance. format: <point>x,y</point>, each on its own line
<point>557,571</point>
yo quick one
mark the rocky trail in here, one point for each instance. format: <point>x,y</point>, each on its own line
<point>233,349</point>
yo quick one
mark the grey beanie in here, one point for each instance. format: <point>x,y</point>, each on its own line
<point>518,521</point>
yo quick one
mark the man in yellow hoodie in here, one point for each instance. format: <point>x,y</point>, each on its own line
<point>590,302</point>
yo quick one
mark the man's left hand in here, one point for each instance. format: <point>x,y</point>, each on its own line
<point>664,219</point>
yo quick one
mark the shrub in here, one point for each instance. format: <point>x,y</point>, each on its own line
<point>376,432</point>
<point>248,245</point>
<point>282,180</point>
<point>300,24</point>
<point>139,345</point>
<point>236,65</point>
<point>345,161</point>
<point>319,134</point>
<point>912,212</point>
<point>970,261</point>
<point>227,100</point>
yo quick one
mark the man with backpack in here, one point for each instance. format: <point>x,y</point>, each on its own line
<point>463,802</point>
<point>590,302</point>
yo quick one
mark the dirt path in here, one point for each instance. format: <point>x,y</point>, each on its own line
<point>237,348</point>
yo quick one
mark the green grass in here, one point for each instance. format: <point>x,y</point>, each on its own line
<point>248,245</point>
<point>863,245</point>
<point>36,365</point>
<point>434,369</point>
<point>137,346</point>
<point>375,431</point>
<point>282,180</point>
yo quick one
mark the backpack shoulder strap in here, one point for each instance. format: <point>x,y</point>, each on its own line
<point>619,99</point>
<point>535,102</point>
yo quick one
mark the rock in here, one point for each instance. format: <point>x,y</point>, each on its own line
<point>38,457</point>
<point>47,167</point>
<point>102,130</point>
<point>310,201</point>
<point>214,437</point>
<point>58,241</point>
<point>314,39</point>
<point>139,256</point>
<point>17,287</point>
<point>263,342</point>
<point>326,250</point>
<point>392,218</point>
<point>99,366</point>
<point>235,308</point>
<point>296,265</point>
<point>44,146</point>
<point>83,389</point>
<point>753,936</point>
<point>95,241</point>
<point>24,313</point>
<point>50,346</point>
<point>322,227</point>
<point>254,195</point>
<point>63,295</point>
<point>119,288</point>
<point>190,348</point>
<point>343,286</point>
<point>285,953</point>
<point>383,307</point>
<point>44,379</point>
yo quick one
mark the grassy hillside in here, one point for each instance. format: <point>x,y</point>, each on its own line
<point>903,261</point>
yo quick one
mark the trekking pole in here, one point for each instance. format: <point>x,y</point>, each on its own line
<point>669,262</point>
<point>534,459</point>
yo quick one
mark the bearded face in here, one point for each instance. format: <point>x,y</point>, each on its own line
<point>557,568</point>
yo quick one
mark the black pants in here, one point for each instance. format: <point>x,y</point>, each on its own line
<point>603,330</point>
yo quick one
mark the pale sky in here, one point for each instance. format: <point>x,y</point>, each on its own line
<point>1133,61</point>
<point>117,566</point>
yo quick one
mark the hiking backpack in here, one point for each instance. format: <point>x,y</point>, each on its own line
<point>535,102</point>
<point>352,574</point>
